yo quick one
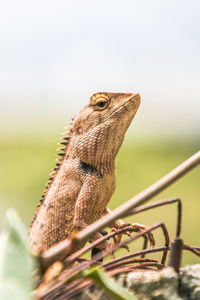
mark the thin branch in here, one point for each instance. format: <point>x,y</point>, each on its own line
<point>144,245</point>
<point>78,268</point>
<point>73,257</point>
<point>131,255</point>
<point>157,204</point>
<point>129,261</point>
<point>194,250</point>
<point>60,287</point>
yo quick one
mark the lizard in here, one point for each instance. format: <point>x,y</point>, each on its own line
<point>83,180</point>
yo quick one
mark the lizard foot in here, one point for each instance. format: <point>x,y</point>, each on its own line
<point>136,227</point>
<point>105,247</point>
<point>102,245</point>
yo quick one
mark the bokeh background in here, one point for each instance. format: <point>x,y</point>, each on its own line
<point>55,54</point>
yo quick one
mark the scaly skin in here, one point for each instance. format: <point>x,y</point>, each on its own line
<point>85,180</point>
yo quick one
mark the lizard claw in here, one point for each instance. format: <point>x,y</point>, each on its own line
<point>125,247</point>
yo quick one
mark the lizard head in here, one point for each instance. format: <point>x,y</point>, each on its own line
<point>98,130</point>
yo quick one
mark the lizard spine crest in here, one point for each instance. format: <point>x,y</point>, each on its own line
<point>65,142</point>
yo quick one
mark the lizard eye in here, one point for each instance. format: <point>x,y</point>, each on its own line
<point>99,101</point>
<point>101,104</point>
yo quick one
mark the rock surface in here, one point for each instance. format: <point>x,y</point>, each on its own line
<point>162,285</point>
<point>190,282</point>
<point>155,285</point>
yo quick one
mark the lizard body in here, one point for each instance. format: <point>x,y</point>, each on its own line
<point>84,179</point>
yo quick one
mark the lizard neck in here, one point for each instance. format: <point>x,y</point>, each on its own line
<point>106,167</point>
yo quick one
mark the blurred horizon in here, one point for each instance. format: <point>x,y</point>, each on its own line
<point>55,55</point>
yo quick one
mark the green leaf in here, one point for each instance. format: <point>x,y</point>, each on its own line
<point>16,264</point>
<point>109,284</point>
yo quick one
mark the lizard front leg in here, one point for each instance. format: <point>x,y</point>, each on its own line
<point>119,223</point>
<point>84,215</point>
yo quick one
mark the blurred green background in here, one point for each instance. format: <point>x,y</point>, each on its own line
<point>55,54</point>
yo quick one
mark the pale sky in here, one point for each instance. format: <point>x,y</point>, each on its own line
<point>55,54</point>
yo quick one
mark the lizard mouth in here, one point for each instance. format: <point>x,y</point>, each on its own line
<point>135,97</point>
<point>131,101</point>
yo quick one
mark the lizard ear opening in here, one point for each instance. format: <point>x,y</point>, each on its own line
<point>79,130</point>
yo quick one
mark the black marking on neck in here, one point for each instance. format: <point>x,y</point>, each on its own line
<point>88,169</point>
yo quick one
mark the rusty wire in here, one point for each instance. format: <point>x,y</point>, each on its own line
<point>68,274</point>
<point>123,264</point>
<point>119,265</point>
